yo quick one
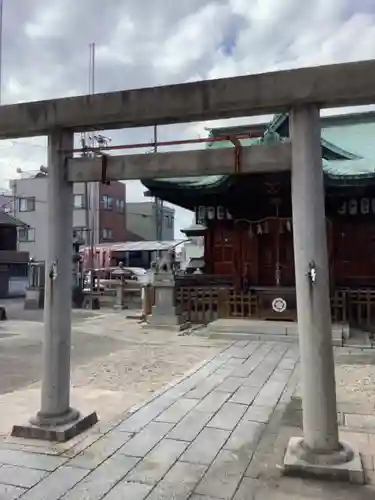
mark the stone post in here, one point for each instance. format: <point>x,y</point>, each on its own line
<point>320,446</point>
<point>56,420</point>
<point>165,313</point>
<point>119,303</point>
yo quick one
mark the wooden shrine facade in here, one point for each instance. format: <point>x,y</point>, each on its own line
<point>249,261</point>
<point>260,252</point>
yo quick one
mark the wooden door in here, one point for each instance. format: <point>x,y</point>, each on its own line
<point>286,259</point>
<point>354,254</point>
<point>249,258</point>
<point>275,251</point>
<point>223,251</point>
<point>267,258</point>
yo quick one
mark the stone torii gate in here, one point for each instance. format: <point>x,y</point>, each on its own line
<point>302,93</point>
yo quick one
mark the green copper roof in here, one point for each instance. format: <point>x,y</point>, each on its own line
<point>354,169</point>
<point>339,165</point>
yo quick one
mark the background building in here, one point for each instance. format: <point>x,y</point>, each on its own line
<point>13,263</point>
<point>141,220</point>
<point>105,215</point>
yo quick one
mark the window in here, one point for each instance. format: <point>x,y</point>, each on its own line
<point>120,206</point>
<point>79,233</point>
<point>170,220</point>
<point>79,201</point>
<point>26,234</point>
<point>107,234</point>
<point>26,204</point>
<point>107,202</point>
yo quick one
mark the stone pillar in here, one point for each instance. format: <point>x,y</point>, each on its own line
<point>320,444</point>
<point>56,420</point>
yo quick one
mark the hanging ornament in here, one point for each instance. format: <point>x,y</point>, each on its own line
<point>342,209</point>
<point>220,211</point>
<point>229,215</point>
<point>353,206</point>
<point>201,215</point>
<point>365,206</point>
<point>259,229</point>
<point>210,213</point>
<point>288,225</point>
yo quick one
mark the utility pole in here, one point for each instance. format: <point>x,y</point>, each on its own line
<point>86,143</point>
<point>158,201</point>
<point>92,186</point>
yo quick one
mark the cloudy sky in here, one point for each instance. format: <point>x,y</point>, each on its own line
<point>45,51</point>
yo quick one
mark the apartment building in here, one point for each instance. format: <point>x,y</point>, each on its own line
<point>105,217</point>
<point>142,220</point>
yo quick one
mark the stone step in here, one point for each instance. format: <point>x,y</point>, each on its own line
<point>246,329</point>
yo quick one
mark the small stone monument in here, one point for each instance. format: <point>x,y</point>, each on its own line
<point>165,312</point>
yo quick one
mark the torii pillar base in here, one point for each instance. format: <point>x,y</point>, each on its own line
<point>343,465</point>
<point>61,428</point>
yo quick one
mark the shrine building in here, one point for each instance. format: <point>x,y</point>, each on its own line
<point>247,226</point>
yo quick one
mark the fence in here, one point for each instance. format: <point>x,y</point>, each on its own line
<point>204,304</point>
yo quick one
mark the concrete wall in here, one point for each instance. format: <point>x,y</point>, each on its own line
<point>141,220</point>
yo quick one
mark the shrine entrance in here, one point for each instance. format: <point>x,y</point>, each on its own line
<point>276,260</point>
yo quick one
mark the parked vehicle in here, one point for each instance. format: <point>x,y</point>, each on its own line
<point>107,278</point>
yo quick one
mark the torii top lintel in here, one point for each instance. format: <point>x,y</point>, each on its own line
<point>347,84</point>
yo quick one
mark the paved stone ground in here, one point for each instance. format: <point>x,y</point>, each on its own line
<point>219,433</point>
<point>115,363</point>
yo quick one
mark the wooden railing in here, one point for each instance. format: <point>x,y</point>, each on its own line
<point>204,304</point>
<point>360,305</point>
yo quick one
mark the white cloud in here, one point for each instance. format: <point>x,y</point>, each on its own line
<point>138,44</point>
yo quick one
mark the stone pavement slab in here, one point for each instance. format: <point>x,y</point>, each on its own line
<point>20,476</point>
<point>191,425</point>
<point>224,475</point>
<point>31,460</point>
<point>146,439</point>
<point>95,454</point>
<point>179,483</point>
<point>157,463</point>
<point>56,484</point>
<point>228,416</point>
<point>129,491</point>
<point>177,411</point>
<point>100,481</point>
<point>10,492</point>
<point>206,446</point>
